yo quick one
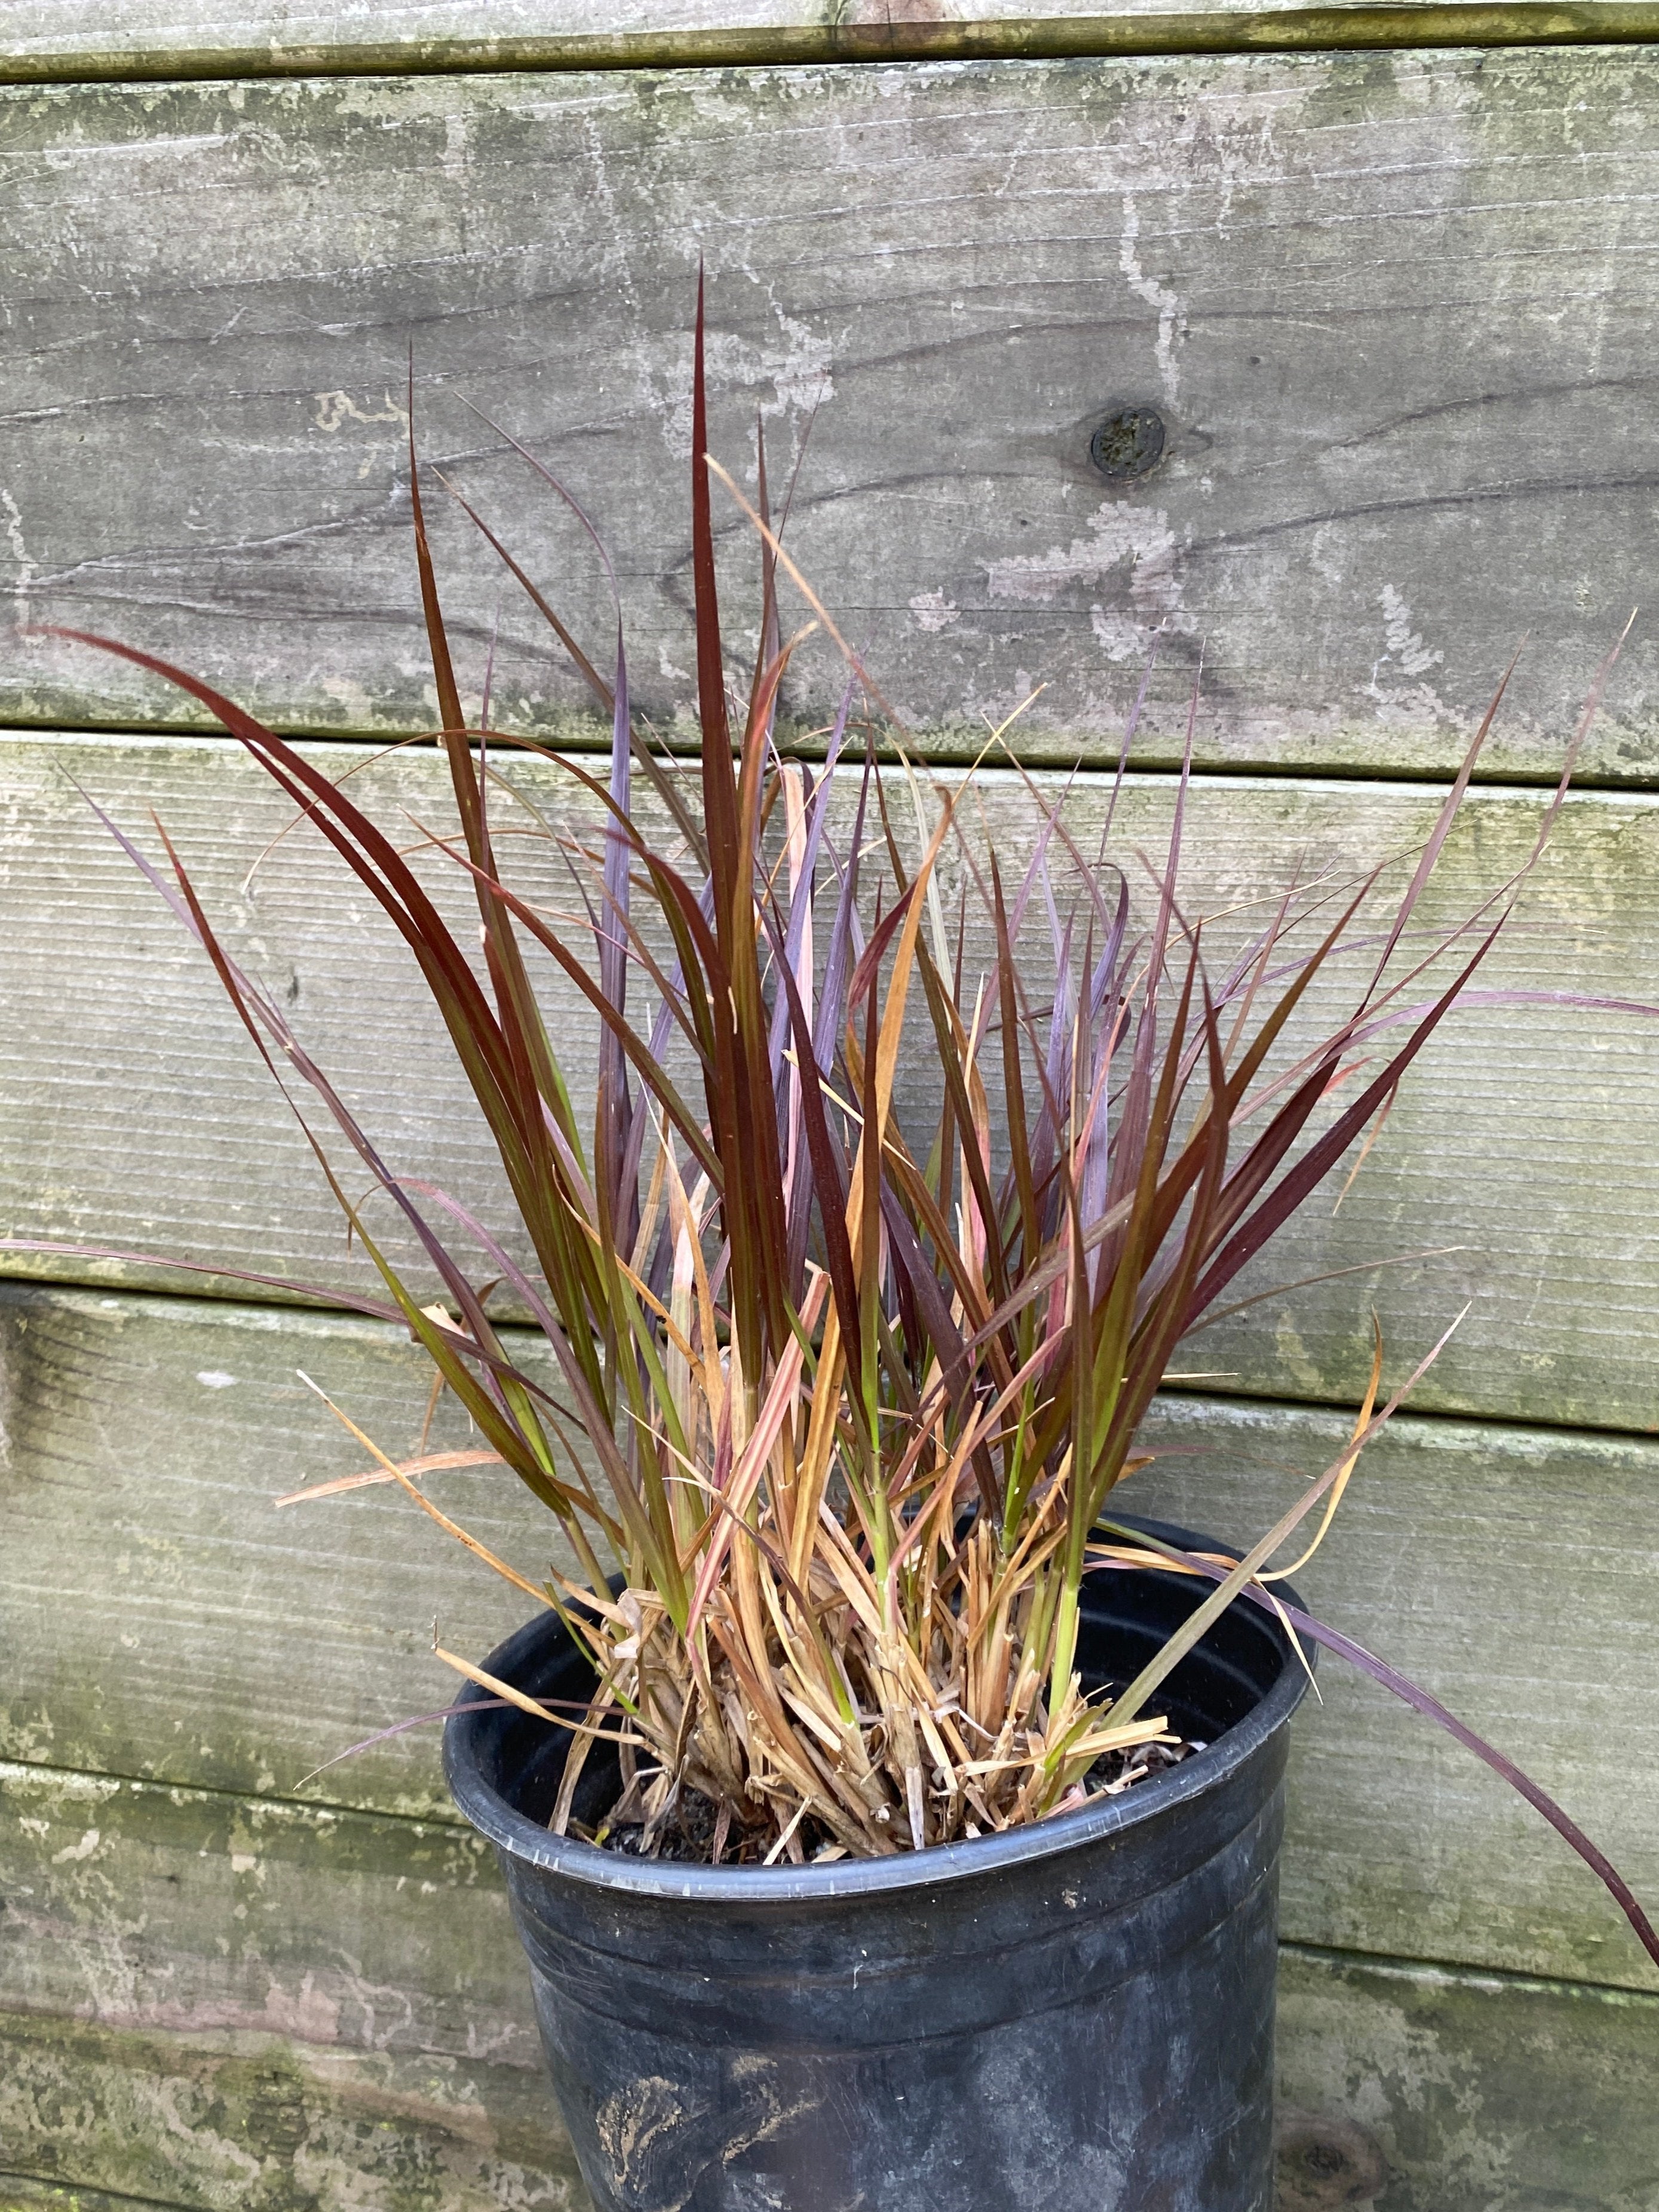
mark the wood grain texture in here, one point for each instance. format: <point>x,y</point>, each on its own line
<point>164,1632</point>
<point>1508,1572</point>
<point>868,32</point>
<point>137,1115</point>
<point>165,1624</point>
<point>1455,2090</point>
<point>1393,308</point>
<point>198,1992</point>
<point>1467,2091</point>
<point>224,2119</point>
<point>148,1907</point>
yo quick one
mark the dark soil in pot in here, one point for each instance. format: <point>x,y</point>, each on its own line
<point>690,1835</point>
<point>1075,2017</point>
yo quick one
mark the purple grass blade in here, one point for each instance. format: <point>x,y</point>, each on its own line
<point>662,1028</point>
<point>844,934</point>
<point>1037,868</point>
<point>1322,1154</point>
<point>585,667</point>
<point>1129,729</point>
<point>1057,1064</point>
<point>1442,830</point>
<point>564,493</point>
<point>1402,1686</point>
<point>444,1713</point>
<point>801,903</point>
<point>827,1169</point>
<point>1577,1001</point>
<point>259,1011</point>
<point>614,1106</point>
<point>399,1727</point>
<point>1103,1027</point>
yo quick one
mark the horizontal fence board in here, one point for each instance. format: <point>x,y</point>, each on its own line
<point>215,2119</point>
<point>165,1623</point>
<point>348,1994</point>
<point>148,1907</point>
<point>163,1634</point>
<point>1507,1571</point>
<point>1392,310</point>
<point>1449,2089</point>
<point>864,31</point>
<point>1511,2096</point>
<point>138,1115</point>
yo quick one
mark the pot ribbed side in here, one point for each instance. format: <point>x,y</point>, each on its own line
<point>1071,2017</point>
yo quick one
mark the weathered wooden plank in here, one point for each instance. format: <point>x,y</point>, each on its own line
<point>1392,310</point>
<point>308,2006</point>
<point>863,32</point>
<point>138,28</point>
<point>225,2118</point>
<point>1508,1571</point>
<point>164,1623</point>
<point>197,1984</point>
<point>1445,2090</point>
<point>1460,2090</point>
<point>137,1115</point>
<point>57,32</point>
<point>142,27</point>
<point>140,1906</point>
<point>19,2194</point>
<point>181,1629</point>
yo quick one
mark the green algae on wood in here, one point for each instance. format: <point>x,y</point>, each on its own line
<point>1511,2095</point>
<point>1464,2089</point>
<point>143,1905</point>
<point>1351,286</point>
<point>211,2119</point>
<point>1507,1570</point>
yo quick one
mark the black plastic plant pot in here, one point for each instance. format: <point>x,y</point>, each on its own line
<point>1073,2017</point>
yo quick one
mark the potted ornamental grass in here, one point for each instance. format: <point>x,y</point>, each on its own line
<point>890,1817</point>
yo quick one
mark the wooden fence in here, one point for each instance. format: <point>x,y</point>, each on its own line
<point>1393,308</point>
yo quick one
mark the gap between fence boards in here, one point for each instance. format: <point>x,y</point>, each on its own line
<point>1459,23</point>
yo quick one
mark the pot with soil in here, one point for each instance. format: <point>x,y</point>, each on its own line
<point>1076,2015</point>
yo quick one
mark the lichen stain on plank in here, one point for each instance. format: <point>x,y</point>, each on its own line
<point>1392,309</point>
<point>1455,1540</point>
<point>208,2120</point>
<point>141,1906</point>
<point>147,1443</point>
<point>1509,2094</point>
<point>1463,2089</point>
